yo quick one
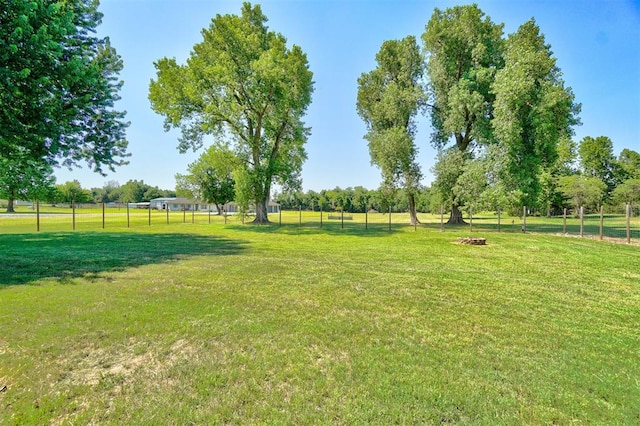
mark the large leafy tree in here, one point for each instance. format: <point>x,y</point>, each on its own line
<point>26,179</point>
<point>464,50</point>
<point>388,100</point>
<point>58,85</point>
<point>629,161</point>
<point>243,85</point>
<point>582,191</point>
<point>73,192</point>
<point>533,110</point>
<point>597,160</point>
<point>627,192</point>
<point>210,177</point>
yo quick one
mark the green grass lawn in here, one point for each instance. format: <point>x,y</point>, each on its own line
<point>199,324</point>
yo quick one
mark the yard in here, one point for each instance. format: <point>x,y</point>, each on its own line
<point>189,323</point>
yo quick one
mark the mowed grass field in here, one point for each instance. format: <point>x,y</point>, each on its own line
<point>199,324</point>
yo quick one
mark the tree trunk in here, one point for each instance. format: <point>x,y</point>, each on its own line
<point>412,208</point>
<point>10,208</point>
<point>456,216</point>
<point>261,212</point>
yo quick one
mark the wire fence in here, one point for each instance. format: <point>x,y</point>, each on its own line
<point>607,223</point>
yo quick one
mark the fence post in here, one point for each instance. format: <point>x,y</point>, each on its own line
<point>524,219</point>
<point>103,218</point>
<point>193,214</point>
<point>366,217</point>
<point>167,208</point>
<point>149,214</point>
<point>601,222</point>
<point>320,216</point>
<point>37,215</point>
<point>342,219</point>
<point>300,215</point>
<point>73,215</point>
<point>209,211</point>
<point>498,219</point>
<point>628,223</point>
<point>581,222</point>
<point>224,213</point>
<point>564,221</point>
<point>128,223</point>
<point>280,218</point>
<point>389,218</point>
<point>441,218</point>
<point>184,214</point>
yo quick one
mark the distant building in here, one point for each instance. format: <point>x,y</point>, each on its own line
<point>232,208</point>
<point>178,204</point>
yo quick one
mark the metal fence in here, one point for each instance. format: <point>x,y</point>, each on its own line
<point>607,223</point>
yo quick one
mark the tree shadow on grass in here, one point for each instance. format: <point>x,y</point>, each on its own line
<point>26,258</point>
<point>327,228</point>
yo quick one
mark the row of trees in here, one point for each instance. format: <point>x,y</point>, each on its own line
<point>355,200</point>
<point>133,191</point>
<point>501,114</point>
<point>498,108</point>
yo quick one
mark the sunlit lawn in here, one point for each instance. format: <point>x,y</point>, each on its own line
<point>201,324</point>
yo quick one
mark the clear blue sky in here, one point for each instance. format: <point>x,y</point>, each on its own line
<point>596,43</point>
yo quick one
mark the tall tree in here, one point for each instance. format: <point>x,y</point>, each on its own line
<point>583,191</point>
<point>464,50</point>
<point>388,100</point>
<point>629,161</point>
<point>24,179</point>
<point>58,85</point>
<point>72,191</point>
<point>210,177</point>
<point>243,85</point>
<point>533,110</point>
<point>597,160</point>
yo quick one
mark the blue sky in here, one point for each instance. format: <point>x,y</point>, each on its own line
<point>596,43</point>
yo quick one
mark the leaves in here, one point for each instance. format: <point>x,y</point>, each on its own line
<point>389,98</point>
<point>58,85</point>
<point>243,85</point>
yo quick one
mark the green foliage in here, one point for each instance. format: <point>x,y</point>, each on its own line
<point>464,49</point>
<point>583,191</point>
<point>627,192</point>
<point>135,191</point>
<point>58,85</point>
<point>533,110</point>
<point>210,178</point>
<point>388,100</point>
<point>24,179</point>
<point>629,161</point>
<point>109,193</point>
<point>72,192</point>
<point>597,160</point>
<point>243,85</point>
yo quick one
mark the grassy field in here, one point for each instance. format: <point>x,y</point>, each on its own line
<point>54,219</point>
<point>198,324</point>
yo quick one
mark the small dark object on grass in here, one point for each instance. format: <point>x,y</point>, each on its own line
<point>3,388</point>
<point>475,241</point>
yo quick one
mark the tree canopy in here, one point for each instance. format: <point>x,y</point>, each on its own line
<point>388,101</point>
<point>464,49</point>
<point>533,110</point>
<point>210,177</point>
<point>58,86</point>
<point>243,85</point>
